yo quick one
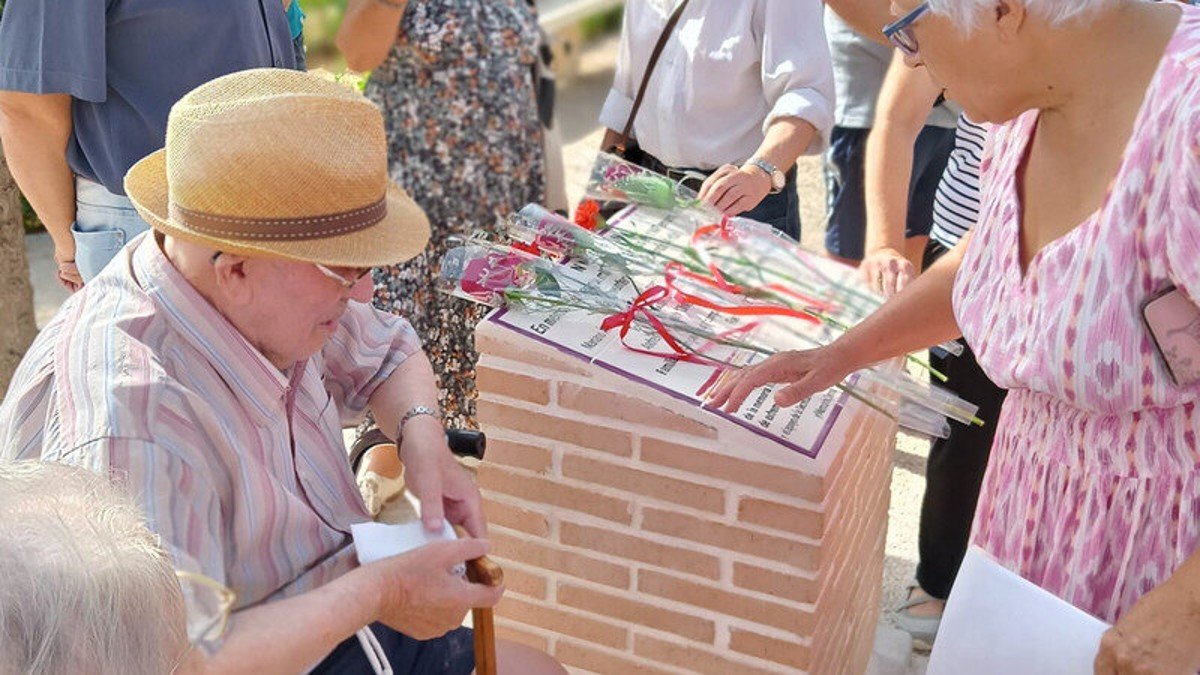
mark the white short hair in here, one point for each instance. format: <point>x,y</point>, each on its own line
<point>86,586</point>
<point>965,13</point>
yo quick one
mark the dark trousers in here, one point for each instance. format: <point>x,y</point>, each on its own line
<point>781,210</point>
<point>845,179</point>
<point>955,468</point>
<point>451,654</point>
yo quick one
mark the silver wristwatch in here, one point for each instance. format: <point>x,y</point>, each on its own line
<point>778,180</point>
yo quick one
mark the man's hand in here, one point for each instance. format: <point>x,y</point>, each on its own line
<point>806,372</point>
<point>1159,634</point>
<point>887,271</point>
<point>68,274</point>
<point>433,475</point>
<point>731,190</point>
<point>421,597</point>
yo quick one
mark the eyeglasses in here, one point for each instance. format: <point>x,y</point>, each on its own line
<point>348,281</point>
<point>208,604</point>
<point>899,32</point>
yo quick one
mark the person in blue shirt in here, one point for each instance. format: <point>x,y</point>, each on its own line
<point>85,88</point>
<point>295,16</point>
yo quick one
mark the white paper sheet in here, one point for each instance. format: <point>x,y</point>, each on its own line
<point>803,427</point>
<point>375,541</point>
<point>998,623</point>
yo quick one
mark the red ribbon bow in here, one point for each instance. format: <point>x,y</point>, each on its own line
<point>641,305</point>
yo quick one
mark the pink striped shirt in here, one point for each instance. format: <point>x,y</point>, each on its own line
<point>241,467</point>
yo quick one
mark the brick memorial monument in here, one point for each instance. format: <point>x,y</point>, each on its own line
<point>643,532</point>
<point>640,533</point>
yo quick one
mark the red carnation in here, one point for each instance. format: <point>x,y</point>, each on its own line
<point>587,214</point>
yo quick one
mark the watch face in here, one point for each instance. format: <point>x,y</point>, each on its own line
<point>778,179</point>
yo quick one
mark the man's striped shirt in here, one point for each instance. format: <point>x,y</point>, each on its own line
<point>240,467</point>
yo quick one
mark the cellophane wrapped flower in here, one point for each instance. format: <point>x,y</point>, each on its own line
<point>615,179</point>
<point>488,274</point>
<point>535,228</point>
<point>698,280</point>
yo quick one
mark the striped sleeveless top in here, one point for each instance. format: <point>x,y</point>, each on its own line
<point>956,205</point>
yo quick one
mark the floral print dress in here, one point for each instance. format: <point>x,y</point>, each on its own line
<point>464,139</point>
<point>1093,487</point>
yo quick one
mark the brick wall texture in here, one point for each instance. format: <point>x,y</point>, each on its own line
<point>639,536</point>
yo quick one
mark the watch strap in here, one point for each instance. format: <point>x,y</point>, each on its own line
<point>772,171</point>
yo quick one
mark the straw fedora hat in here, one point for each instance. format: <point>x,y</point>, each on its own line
<point>279,163</point>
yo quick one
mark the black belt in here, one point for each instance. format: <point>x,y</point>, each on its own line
<point>690,178</point>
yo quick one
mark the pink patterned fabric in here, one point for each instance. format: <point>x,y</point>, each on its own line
<point>1093,490</point>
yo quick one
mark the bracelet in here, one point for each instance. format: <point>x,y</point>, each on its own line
<point>417,411</point>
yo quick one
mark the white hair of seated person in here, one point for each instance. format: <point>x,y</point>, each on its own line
<point>966,13</point>
<point>84,585</point>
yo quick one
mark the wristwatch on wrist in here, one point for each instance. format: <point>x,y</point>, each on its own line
<point>416,411</point>
<point>778,180</point>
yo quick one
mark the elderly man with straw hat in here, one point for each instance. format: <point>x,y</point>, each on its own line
<point>216,361</point>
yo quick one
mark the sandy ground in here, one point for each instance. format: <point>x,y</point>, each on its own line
<point>580,99</point>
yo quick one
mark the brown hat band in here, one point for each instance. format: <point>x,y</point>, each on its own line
<point>308,227</point>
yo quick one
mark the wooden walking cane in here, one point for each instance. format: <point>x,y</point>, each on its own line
<point>483,571</point>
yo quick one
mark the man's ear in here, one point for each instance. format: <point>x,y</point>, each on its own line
<point>232,278</point>
<point>1008,19</point>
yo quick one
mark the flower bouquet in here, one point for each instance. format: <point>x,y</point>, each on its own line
<point>690,284</point>
<point>693,319</point>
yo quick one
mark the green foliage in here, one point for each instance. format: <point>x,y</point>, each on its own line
<point>322,18</point>
<point>600,24</point>
<point>352,79</point>
<point>311,5</point>
<point>28,217</point>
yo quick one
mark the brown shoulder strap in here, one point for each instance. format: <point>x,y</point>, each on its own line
<point>623,141</point>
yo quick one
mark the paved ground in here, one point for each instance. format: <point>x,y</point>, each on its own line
<point>580,100</point>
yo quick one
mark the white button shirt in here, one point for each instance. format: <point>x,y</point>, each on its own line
<point>729,69</point>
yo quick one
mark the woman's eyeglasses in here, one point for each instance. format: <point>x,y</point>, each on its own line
<point>899,32</point>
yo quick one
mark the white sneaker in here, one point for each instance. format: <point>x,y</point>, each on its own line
<point>923,628</point>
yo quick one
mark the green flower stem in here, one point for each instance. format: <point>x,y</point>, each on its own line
<point>696,265</point>
<point>840,325</point>
<point>520,296</point>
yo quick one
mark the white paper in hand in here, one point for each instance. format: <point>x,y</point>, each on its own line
<point>999,623</point>
<point>375,541</point>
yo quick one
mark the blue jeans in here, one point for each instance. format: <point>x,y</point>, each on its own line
<point>451,654</point>
<point>846,209</point>
<point>104,222</point>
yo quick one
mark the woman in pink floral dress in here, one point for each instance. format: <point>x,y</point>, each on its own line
<point>1090,207</point>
